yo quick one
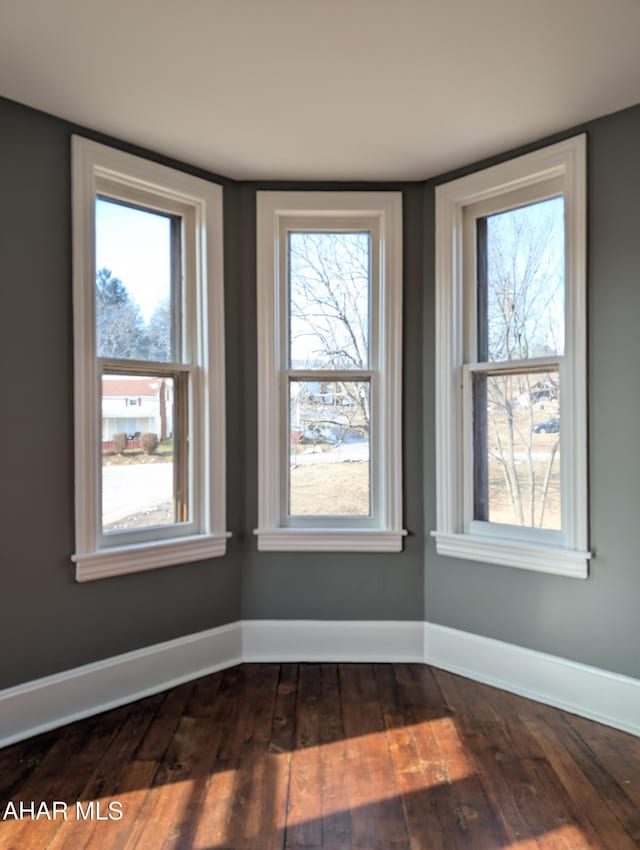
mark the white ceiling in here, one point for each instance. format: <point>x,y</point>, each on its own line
<point>323,89</point>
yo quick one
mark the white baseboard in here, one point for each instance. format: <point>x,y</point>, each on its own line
<point>332,640</point>
<point>590,692</point>
<point>53,701</point>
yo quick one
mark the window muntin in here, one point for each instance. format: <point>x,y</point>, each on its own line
<point>141,340</point>
<point>148,241</point>
<point>329,337</point>
<point>331,286</point>
<point>510,349</point>
<point>514,314</point>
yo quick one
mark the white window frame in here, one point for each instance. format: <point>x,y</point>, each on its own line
<point>380,213</point>
<point>98,169</point>
<point>557,169</point>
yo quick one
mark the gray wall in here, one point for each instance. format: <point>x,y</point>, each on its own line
<point>594,621</point>
<point>53,623</point>
<point>48,622</point>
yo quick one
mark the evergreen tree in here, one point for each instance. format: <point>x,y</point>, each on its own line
<point>120,328</point>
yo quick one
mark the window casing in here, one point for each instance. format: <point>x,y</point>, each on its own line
<point>345,400</point>
<point>497,388</point>
<point>175,388</point>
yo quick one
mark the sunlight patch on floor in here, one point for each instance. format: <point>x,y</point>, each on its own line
<point>564,836</point>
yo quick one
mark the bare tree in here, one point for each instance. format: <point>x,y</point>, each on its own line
<point>525,283</point>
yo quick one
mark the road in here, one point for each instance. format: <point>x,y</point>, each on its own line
<point>132,488</point>
<point>521,457</point>
<point>346,451</point>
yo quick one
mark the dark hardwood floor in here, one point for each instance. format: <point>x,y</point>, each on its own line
<point>375,757</point>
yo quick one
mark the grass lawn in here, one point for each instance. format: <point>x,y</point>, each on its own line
<point>330,489</point>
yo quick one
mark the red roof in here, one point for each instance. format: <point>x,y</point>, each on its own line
<point>131,385</point>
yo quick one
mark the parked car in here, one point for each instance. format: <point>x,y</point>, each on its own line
<point>549,426</point>
<point>320,434</point>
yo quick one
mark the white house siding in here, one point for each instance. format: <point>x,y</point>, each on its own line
<point>131,404</point>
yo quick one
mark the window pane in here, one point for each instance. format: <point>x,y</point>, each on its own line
<point>329,472</point>
<point>136,257</point>
<point>144,466</point>
<point>521,282</point>
<point>329,300</point>
<point>517,449</point>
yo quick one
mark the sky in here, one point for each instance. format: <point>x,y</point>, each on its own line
<point>136,246</point>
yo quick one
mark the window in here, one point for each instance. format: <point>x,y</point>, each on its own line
<point>511,363</point>
<point>149,364</point>
<point>329,352</point>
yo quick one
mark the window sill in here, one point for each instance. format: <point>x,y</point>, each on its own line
<point>508,553</point>
<point>331,540</point>
<point>148,556</point>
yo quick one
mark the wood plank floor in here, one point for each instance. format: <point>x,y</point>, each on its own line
<point>374,757</point>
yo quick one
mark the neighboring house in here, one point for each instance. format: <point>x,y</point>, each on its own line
<point>134,405</point>
<point>325,393</point>
<point>544,391</point>
<point>319,393</point>
<point>539,393</point>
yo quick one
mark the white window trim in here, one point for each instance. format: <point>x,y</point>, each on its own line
<point>93,163</point>
<point>565,161</point>
<point>384,211</point>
